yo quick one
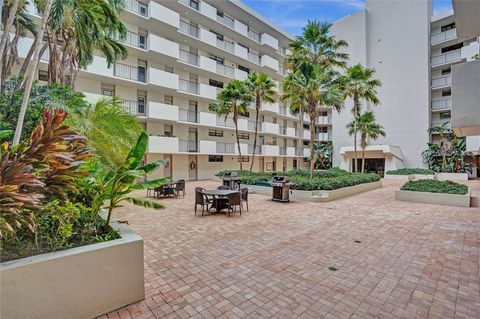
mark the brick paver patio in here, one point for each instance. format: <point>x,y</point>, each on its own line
<point>393,259</point>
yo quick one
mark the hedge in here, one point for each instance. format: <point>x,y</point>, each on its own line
<point>435,186</point>
<point>410,171</point>
<point>329,179</point>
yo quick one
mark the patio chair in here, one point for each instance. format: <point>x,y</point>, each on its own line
<point>180,187</point>
<point>201,199</point>
<point>158,191</point>
<point>244,192</point>
<point>223,187</point>
<point>234,200</point>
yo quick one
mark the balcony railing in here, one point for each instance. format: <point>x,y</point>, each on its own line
<point>188,86</point>
<point>440,122</point>
<point>188,146</point>
<point>189,57</point>
<point>258,149</point>
<point>282,50</point>
<point>226,45</point>
<point>129,72</point>
<point>226,148</point>
<point>447,57</point>
<point>254,35</point>
<point>251,125</point>
<point>253,57</point>
<point>441,81</point>
<point>225,70</point>
<point>221,121</point>
<point>133,107</point>
<point>188,116</point>
<point>443,36</point>
<point>189,29</point>
<point>192,4</point>
<point>282,150</point>
<point>282,70</point>
<point>135,40</point>
<point>137,7</point>
<point>226,21</point>
<point>282,130</point>
<point>442,104</point>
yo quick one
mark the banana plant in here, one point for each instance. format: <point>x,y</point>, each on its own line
<point>116,184</point>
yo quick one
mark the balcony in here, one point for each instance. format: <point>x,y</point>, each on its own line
<point>443,36</point>
<point>255,58</point>
<point>135,40</point>
<point>282,70</point>
<point>291,151</point>
<point>187,116</point>
<point>137,7</point>
<point>134,107</point>
<point>441,81</point>
<point>258,149</point>
<point>162,78</point>
<point>225,70</point>
<point>229,22</point>
<point>442,104</point>
<point>188,86</point>
<point>163,111</point>
<point>163,46</point>
<point>189,29</point>
<point>448,57</point>
<point>440,122</point>
<point>189,57</point>
<point>225,122</point>
<point>282,130</point>
<point>254,35</point>
<point>270,107</point>
<point>226,45</point>
<point>271,128</point>
<point>129,72</point>
<point>225,148</point>
<point>188,146</point>
<point>163,144</point>
<point>270,150</point>
<point>188,3</point>
<point>323,137</point>
<point>323,120</point>
<point>282,150</point>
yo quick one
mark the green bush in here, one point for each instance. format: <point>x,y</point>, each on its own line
<point>435,186</point>
<point>410,171</point>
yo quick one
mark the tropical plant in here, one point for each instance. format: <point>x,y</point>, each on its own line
<point>435,186</point>
<point>110,130</point>
<point>323,154</point>
<point>116,184</point>
<point>358,84</point>
<point>233,99</point>
<point>262,88</point>
<point>445,135</point>
<point>369,130</point>
<point>46,168</point>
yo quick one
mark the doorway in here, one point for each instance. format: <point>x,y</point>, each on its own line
<point>372,165</point>
<point>261,164</point>
<point>167,166</point>
<point>192,167</point>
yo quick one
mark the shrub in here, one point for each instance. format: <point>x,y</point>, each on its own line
<point>435,186</point>
<point>410,171</point>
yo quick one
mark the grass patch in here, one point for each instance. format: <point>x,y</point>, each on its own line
<point>329,179</point>
<point>410,171</point>
<point>435,186</point>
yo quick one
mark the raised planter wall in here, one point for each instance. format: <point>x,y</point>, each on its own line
<point>452,176</point>
<point>319,195</point>
<point>409,177</point>
<point>78,283</point>
<point>434,198</point>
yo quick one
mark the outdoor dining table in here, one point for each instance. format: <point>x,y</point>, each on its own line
<point>219,198</point>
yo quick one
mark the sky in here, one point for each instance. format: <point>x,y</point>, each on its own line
<point>292,15</point>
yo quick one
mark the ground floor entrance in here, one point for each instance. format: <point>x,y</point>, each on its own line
<point>372,165</point>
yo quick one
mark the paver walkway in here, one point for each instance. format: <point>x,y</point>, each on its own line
<point>393,259</point>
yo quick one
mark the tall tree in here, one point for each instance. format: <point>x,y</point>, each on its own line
<point>10,17</point>
<point>358,83</point>
<point>233,99</point>
<point>32,72</point>
<point>297,105</point>
<point>262,88</point>
<point>369,130</point>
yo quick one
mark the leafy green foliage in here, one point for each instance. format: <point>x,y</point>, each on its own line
<point>410,171</point>
<point>435,186</point>
<point>323,154</point>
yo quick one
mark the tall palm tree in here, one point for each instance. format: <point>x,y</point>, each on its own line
<point>317,85</point>
<point>262,89</point>
<point>297,106</point>
<point>10,17</point>
<point>358,83</point>
<point>233,99</point>
<point>369,130</point>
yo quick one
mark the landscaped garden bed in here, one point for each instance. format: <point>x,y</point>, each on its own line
<point>326,184</point>
<point>435,192</point>
<point>410,173</point>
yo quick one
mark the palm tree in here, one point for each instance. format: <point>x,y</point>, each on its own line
<point>358,83</point>
<point>262,89</point>
<point>297,106</point>
<point>445,134</point>
<point>323,153</point>
<point>12,12</point>
<point>233,99</point>
<point>369,130</point>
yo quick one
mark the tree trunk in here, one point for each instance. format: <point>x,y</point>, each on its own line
<point>31,75</point>
<point>312,112</point>
<point>363,159</point>
<point>235,121</point>
<point>300,138</point>
<point>8,25</point>
<point>356,114</point>
<point>26,62</point>
<point>9,60</point>
<point>257,108</point>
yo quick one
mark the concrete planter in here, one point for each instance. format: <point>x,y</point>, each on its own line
<point>434,198</point>
<point>452,176</point>
<point>409,177</point>
<point>81,283</point>
<point>319,195</point>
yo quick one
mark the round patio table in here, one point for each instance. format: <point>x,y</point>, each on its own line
<point>219,198</point>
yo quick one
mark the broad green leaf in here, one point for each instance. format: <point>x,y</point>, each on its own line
<point>144,203</point>
<point>150,167</point>
<point>151,184</point>
<point>138,151</point>
<point>5,133</point>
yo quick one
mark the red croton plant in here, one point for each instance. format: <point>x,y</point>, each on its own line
<point>46,168</point>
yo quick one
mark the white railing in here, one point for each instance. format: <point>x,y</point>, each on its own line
<point>137,7</point>
<point>133,107</point>
<point>189,29</point>
<point>443,36</point>
<point>188,86</point>
<point>282,130</point>
<point>251,125</point>
<point>188,3</point>
<point>258,149</point>
<point>225,148</point>
<point>221,121</point>
<point>135,40</point>
<point>442,104</point>
<point>282,150</point>
<point>444,80</point>
<point>187,116</point>
<point>447,57</point>
<point>225,70</point>
<point>189,57</point>
<point>253,57</point>
<point>254,35</point>
<point>129,72</point>
<point>188,146</point>
<point>226,21</point>
<point>226,45</point>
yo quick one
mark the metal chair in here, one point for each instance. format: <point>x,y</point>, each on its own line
<point>180,187</point>
<point>158,191</point>
<point>234,200</point>
<point>201,199</point>
<point>223,187</point>
<point>244,192</point>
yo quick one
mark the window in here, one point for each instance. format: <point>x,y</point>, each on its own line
<point>219,36</point>
<point>142,70</point>
<point>142,9</point>
<point>168,99</point>
<point>141,100</point>
<point>448,27</point>
<point>215,158</point>
<point>214,83</point>
<point>243,136</point>
<point>240,67</point>
<point>108,90</point>
<point>445,115</point>
<point>243,159</point>
<point>452,47</point>
<point>168,130</point>
<point>142,41</point>
<point>42,75</point>
<point>323,129</point>
<point>216,133</point>
<point>195,4</point>
<point>446,93</point>
<point>216,58</point>
<point>274,120</point>
<point>446,71</point>
<point>274,140</point>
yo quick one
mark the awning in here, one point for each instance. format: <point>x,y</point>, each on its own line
<point>384,148</point>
